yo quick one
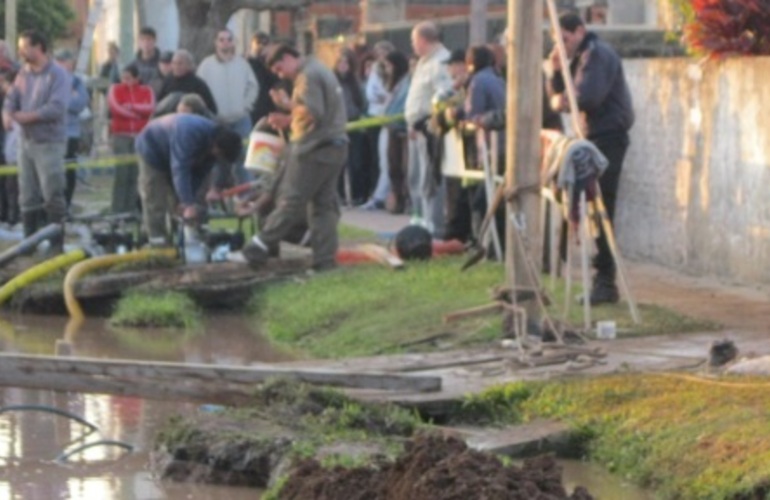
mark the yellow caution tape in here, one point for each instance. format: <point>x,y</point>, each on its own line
<point>122,160</point>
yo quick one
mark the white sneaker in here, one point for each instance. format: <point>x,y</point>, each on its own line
<point>236,257</point>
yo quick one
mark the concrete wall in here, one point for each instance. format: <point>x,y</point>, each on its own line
<point>695,191</point>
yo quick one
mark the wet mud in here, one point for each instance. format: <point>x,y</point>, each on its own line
<point>433,467</point>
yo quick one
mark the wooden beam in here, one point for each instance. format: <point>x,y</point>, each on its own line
<point>181,380</point>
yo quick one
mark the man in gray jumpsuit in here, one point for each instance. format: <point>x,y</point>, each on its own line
<point>315,115</point>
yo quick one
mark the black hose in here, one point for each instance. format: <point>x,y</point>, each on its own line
<point>51,409</point>
<point>65,455</point>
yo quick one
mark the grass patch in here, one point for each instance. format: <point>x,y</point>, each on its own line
<point>353,234</point>
<point>372,310</point>
<point>684,438</point>
<point>168,309</point>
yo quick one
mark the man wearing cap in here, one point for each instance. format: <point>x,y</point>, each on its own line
<point>79,100</point>
<point>38,102</point>
<point>314,158</point>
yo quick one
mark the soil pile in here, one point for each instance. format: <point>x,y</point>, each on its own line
<point>436,468</point>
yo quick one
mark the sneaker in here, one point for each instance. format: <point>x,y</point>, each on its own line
<point>255,255</point>
<point>373,205</point>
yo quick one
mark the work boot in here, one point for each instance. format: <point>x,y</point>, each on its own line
<point>255,255</point>
<point>29,220</point>
<point>56,245</point>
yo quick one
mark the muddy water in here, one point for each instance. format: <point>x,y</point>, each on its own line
<point>31,440</point>
<point>599,482</point>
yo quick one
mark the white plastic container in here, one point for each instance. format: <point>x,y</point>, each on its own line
<point>606,330</point>
<point>263,152</point>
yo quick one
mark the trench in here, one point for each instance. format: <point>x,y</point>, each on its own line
<point>30,441</point>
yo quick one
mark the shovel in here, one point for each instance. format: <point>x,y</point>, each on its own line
<point>480,251</point>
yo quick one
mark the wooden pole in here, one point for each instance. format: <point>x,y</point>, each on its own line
<point>10,26</point>
<point>524,117</point>
<point>478,24</point>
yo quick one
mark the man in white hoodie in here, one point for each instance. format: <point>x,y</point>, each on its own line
<point>430,76</point>
<point>232,83</point>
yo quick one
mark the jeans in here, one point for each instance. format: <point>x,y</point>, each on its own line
<point>125,186</point>
<point>426,193</point>
<point>382,189</point>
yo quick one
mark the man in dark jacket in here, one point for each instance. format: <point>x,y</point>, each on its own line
<point>176,154</point>
<point>183,79</point>
<point>607,115</point>
<point>264,105</point>
<point>148,59</point>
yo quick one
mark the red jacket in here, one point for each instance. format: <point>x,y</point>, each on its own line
<point>131,107</point>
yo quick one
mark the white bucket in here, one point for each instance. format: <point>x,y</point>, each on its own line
<point>263,153</point>
<point>606,330</point>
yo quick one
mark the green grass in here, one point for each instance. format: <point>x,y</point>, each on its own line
<point>353,234</point>
<point>169,309</point>
<point>681,436</point>
<point>373,310</point>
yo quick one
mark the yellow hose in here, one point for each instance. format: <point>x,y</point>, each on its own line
<point>40,271</point>
<point>78,270</point>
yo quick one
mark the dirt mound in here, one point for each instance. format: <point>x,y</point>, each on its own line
<point>432,467</point>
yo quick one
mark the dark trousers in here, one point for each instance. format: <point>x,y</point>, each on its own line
<point>398,163</point>
<point>307,192</point>
<point>614,148</point>
<point>459,201</point>
<point>71,174</point>
<point>356,170</point>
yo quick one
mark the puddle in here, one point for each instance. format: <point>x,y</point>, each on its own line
<point>599,482</point>
<point>225,340</point>
<point>30,441</point>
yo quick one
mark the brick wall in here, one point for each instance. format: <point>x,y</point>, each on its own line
<point>694,191</point>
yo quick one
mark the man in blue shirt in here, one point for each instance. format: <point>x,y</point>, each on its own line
<point>176,155</point>
<point>38,102</point>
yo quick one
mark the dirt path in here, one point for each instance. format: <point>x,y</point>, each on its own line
<point>735,307</point>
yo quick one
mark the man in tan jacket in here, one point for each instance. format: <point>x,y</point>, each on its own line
<point>430,76</point>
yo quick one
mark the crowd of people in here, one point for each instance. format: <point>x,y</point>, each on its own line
<point>182,118</point>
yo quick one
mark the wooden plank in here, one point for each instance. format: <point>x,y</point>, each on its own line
<point>453,317</point>
<point>141,377</point>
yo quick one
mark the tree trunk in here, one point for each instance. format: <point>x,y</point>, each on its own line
<point>199,20</point>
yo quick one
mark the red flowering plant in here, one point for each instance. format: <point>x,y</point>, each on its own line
<point>719,28</point>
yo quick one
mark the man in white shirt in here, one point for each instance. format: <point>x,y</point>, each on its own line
<point>430,76</point>
<point>232,83</point>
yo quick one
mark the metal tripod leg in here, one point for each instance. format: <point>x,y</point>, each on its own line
<point>609,233</point>
<point>585,237</point>
<point>489,187</point>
